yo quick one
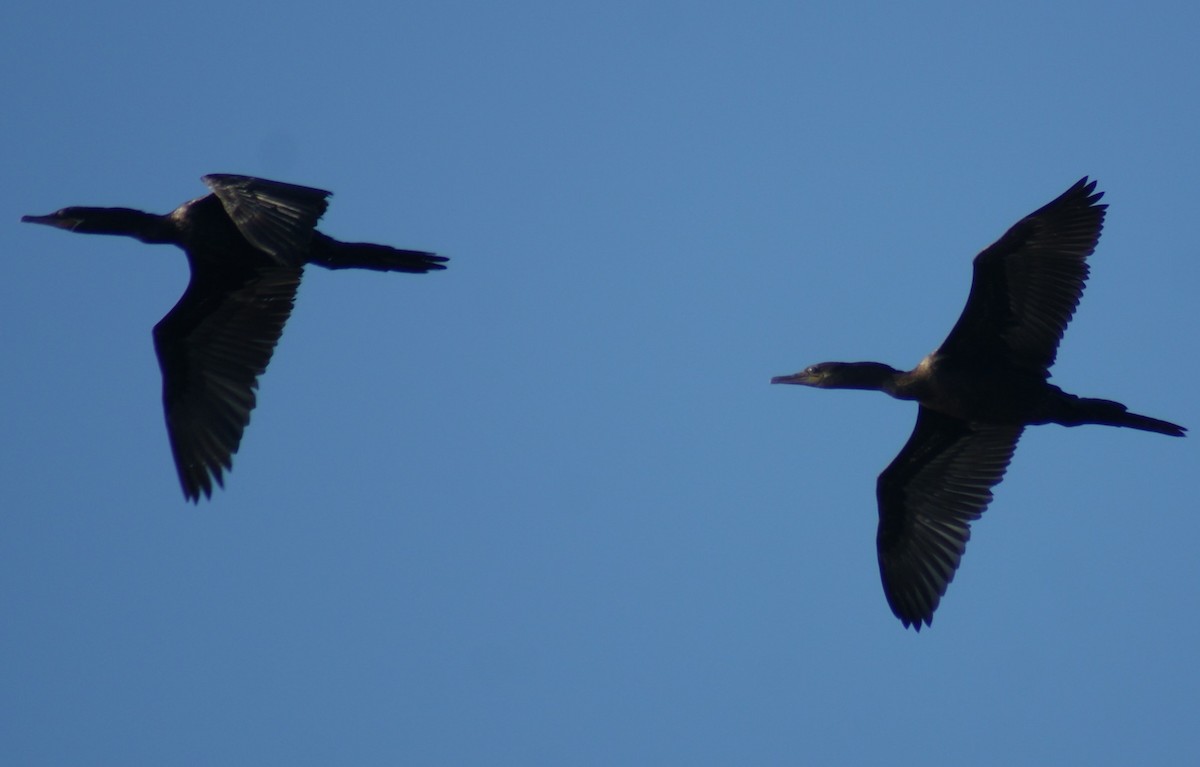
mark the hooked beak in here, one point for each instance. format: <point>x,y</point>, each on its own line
<point>795,378</point>
<point>51,220</point>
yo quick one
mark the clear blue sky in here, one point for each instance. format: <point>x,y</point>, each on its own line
<point>543,508</point>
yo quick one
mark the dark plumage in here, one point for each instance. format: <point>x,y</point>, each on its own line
<point>247,244</point>
<point>977,392</point>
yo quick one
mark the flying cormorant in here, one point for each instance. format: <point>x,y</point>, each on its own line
<point>246,244</point>
<point>977,392</point>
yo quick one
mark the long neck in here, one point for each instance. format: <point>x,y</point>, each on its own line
<point>864,375</point>
<point>128,222</point>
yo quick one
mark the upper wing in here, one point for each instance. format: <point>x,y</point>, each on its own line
<point>1026,286</point>
<point>212,347</point>
<point>928,496</point>
<point>275,217</point>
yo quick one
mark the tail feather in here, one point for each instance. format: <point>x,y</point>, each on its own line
<point>1109,413</point>
<point>332,254</point>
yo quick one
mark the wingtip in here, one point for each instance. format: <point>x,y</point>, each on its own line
<point>914,619</point>
<point>219,179</point>
<point>1086,188</point>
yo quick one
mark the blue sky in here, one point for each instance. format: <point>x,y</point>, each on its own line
<point>544,507</point>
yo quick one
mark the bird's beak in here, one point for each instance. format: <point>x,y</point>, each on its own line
<point>51,220</point>
<point>794,378</point>
<point>803,378</point>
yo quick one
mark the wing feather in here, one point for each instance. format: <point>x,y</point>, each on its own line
<point>928,496</point>
<point>1027,285</point>
<point>277,218</point>
<point>212,348</point>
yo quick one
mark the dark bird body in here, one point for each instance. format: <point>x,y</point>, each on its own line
<point>246,244</point>
<point>979,390</point>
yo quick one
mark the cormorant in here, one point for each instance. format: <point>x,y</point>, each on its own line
<point>246,245</point>
<point>977,392</point>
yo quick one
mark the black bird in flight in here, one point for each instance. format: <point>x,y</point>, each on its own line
<point>977,393</point>
<point>246,244</point>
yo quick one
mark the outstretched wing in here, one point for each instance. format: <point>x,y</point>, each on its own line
<point>277,218</point>
<point>212,346</point>
<point>928,496</point>
<point>1026,286</point>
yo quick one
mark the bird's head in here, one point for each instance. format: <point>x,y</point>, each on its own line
<point>842,375</point>
<point>123,221</point>
<point>90,220</point>
<point>67,218</point>
<point>813,375</point>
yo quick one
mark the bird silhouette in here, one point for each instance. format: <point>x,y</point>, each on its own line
<point>977,392</point>
<point>246,243</point>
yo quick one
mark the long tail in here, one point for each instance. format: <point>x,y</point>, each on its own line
<point>1108,413</point>
<point>333,254</point>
